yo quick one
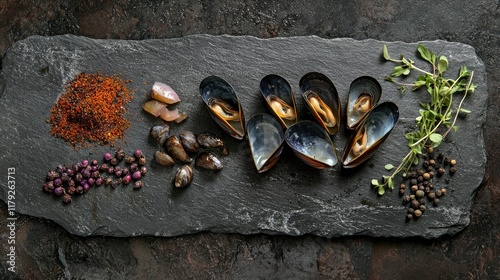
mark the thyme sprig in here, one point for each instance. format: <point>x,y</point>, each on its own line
<point>433,116</point>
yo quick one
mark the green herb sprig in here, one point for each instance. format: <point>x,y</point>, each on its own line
<point>434,115</point>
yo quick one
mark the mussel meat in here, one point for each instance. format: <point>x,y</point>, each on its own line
<point>279,98</point>
<point>223,105</point>
<point>364,94</point>
<point>312,144</point>
<point>322,100</point>
<point>370,134</point>
<point>266,138</point>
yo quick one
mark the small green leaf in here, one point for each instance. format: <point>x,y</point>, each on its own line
<point>381,191</point>
<point>390,183</point>
<point>388,167</point>
<point>386,53</point>
<point>472,87</point>
<point>375,182</point>
<point>465,111</point>
<point>433,59</point>
<point>425,53</point>
<point>398,71</point>
<point>442,64</point>
<point>436,137</point>
<point>415,160</point>
<point>417,85</point>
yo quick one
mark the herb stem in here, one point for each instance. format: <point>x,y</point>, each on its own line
<point>460,104</point>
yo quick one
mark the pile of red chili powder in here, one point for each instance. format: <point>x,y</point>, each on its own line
<point>91,110</point>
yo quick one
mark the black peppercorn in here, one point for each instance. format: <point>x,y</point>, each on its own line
<point>419,194</point>
<point>431,195</point>
<point>414,188</point>
<point>414,204</point>
<point>435,201</point>
<point>453,170</point>
<point>417,213</point>
<point>438,193</point>
<point>441,171</point>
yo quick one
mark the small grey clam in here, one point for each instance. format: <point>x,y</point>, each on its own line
<point>312,144</point>
<point>364,94</point>
<point>189,142</point>
<point>279,98</point>
<point>209,161</point>
<point>176,150</point>
<point>223,105</point>
<point>266,140</point>
<point>322,100</point>
<point>183,176</point>
<point>370,134</point>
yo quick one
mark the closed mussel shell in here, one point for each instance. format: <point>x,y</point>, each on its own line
<point>370,134</point>
<point>223,105</point>
<point>279,98</point>
<point>310,142</point>
<point>364,94</point>
<point>189,141</point>
<point>322,100</point>
<point>266,140</point>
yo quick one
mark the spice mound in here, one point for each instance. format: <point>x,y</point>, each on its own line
<point>91,110</point>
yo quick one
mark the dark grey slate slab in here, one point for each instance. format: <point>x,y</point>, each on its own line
<point>291,198</point>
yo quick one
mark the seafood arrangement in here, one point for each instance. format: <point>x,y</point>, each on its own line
<point>369,122</point>
<point>310,140</point>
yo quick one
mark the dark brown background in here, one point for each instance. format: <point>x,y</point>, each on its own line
<point>46,251</point>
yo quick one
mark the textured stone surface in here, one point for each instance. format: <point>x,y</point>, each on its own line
<point>290,199</point>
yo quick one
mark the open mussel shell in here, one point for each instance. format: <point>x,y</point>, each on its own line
<point>322,100</point>
<point>370,134</point>
<point>266,139</point>
<point>279,98</point>
<point>223,105</point>
<point>364,94</point>
<point>310,142</point>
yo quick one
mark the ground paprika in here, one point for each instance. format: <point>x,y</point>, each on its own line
<point>91,110</point>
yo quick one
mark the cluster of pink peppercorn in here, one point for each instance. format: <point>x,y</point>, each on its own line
<point>66,181</point>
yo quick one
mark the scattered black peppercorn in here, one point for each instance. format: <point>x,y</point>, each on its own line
<point>453,170</point>
<point>422,183</point>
